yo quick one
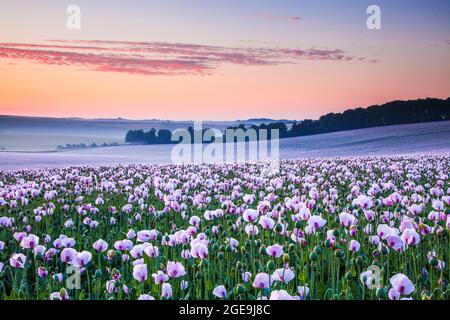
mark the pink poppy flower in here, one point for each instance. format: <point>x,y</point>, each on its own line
<point>68,255</point>
<point>145,297</point>
<point>175,269</point>
<point>283,275</point>
<point>354,246</point>
<point>250,215</point>
<point>61,295</point>
<point>18,260</point>
<point>100,245</point>
<point>220,292</point>
<point>402,284</point>
<point>82,259</point>
<point>282,295</point>
<point>166,291</point>
<point>140,272</point>
<point>266,222</point>
<point>274,251</point>
<point>151,251</point>
<point>160,277</point>
<point>262,281</point>
<point>199,250</point>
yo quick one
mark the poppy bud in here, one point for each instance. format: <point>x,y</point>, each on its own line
<point>424,296</point>
<point>278,227</point>
<point>98,273</point>
<point>220,255</point>
<point>339,253</point>
<point>240,289</point>
<point>313,256</point>
<point>270,266</point>
<point>381,293</point>
<point>434,262</point>
<point>317,249</point>
<point>286,258</point>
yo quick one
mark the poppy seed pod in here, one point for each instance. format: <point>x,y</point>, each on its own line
<point>434,262</point>
<point>204,263</point>
<point>381,293</point>
<point>270,266</point>
<point>286,258</point>
<point>279,227</point>
<point>339,253</point>
<point>240,289</point>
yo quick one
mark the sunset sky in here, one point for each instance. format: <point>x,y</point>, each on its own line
<point>219,60</point>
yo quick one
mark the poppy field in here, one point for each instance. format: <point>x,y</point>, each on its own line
<point>325,229</point>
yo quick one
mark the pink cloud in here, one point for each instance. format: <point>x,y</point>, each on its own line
<point>159,58</point>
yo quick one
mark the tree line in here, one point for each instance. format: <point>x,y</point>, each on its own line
<point>391,113</point>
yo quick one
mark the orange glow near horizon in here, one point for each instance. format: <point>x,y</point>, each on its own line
<point>235,93</point>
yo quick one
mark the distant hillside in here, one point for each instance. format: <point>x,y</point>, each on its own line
<point>392,113</point>
<point>263,120</point>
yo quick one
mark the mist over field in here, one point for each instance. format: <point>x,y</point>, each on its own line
<point>390,140</point>
<point>46,134</point>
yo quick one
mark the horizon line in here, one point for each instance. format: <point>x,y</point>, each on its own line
<point>120,118</point>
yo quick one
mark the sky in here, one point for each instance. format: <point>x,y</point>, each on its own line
<point>219,60</point>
